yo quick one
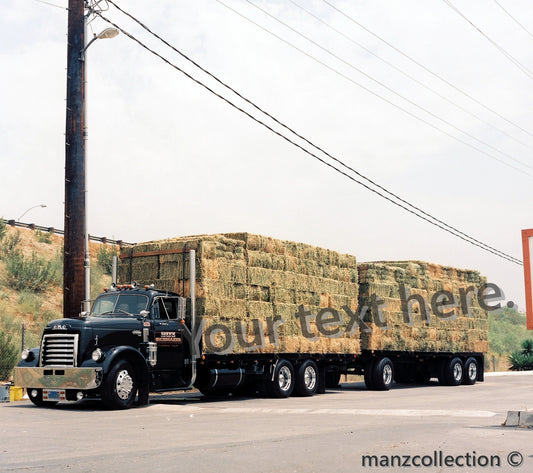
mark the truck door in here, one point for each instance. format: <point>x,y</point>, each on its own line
<point>168,334</point>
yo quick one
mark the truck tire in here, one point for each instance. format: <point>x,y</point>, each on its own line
<point>383,374</point>
<point>120,386</point>
<point>306,379</point>
<point>37,399</point>
<point>282,383</point>
<point>451,373</point>
<point>369,375</point>
<point>471,370</point>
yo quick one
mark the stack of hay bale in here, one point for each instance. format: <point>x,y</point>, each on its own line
<point>465,333</point>
<point>242,277</point>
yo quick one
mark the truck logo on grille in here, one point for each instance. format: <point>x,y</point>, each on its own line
<point>60,327</point>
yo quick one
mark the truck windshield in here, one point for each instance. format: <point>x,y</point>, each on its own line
<point>127,304</point>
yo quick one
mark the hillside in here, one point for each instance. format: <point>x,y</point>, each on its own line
<point>31,281</point>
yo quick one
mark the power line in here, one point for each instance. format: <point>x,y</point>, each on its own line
<point>508,55</point>
<point>299,146</point>
<point>514,19</point>
<point>291,130</point>
<point>406,74</point>
<point>416,117</point>
<point>419,64</point>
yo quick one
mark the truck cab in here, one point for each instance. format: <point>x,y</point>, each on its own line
<point>132,342</point>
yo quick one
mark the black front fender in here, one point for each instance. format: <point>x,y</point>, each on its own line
<point>132,355</point>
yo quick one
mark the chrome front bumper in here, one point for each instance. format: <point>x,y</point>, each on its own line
<point>55,377</point>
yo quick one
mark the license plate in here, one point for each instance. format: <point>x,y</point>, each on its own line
<point>53,395</point>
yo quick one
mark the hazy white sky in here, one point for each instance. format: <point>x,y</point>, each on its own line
<point>166,158</point>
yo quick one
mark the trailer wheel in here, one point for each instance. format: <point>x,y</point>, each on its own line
<point>452,372</point>
<point>369,375</point>
<point>36,396</point>
<point>120,386</point>
<point>383,374</point>
<point>282,383</point>
<point>470,376</point>
<point>306,379</point>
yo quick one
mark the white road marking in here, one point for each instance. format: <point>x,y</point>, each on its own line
<point>345,412</point>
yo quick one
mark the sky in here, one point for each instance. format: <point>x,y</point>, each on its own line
<point>431,105</point>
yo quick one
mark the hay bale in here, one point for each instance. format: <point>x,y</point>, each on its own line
<point>245,279</point>
<point>425,331</point>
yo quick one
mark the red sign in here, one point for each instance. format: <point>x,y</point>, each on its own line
<point>527,246</point>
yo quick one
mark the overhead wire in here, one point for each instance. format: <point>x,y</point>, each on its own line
<point>411,114</point>
<point>434,222</point>
<point>513,18</point>
<point>409,76</point>
<point>425,68</point>
<point>291,130</point>
<point>500,48</point>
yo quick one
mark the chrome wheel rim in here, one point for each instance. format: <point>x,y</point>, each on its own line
<point>457,371</point>
<point>285,378</point>
<point>472,371</point>
<point>124,385</point>
<point>387,374</point>
<point>310,378</point>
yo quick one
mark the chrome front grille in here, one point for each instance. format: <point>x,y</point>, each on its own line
<point>59,350</point>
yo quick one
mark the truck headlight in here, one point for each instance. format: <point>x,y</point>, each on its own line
<point>97,355</point>
<point>27,355</point>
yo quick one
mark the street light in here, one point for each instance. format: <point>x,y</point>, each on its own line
<point>31,208</point>
<point>108,33</point>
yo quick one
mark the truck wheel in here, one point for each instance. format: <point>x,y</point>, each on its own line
<point>283,383</point>
<point>369,375</point>
<point>470,376</point>
<point>383,374</point>
<point>120,386</point>
<point>452,372</point>
<point>36,396</point>
<point>306,379</point>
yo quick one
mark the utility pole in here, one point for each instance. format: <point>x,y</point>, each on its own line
<point>75,222</point>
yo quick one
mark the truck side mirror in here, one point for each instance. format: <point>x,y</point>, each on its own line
<point>145,313</point>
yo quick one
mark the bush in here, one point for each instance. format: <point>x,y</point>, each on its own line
<point>522,360</point>
<point>30,274</point>
<point>8,356</point>
<point>9,244</point>
<point>104,258</point>
<point>43,237</point>
<point>3,228</point>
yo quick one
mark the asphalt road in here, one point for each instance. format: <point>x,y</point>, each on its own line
<point>434,428</point>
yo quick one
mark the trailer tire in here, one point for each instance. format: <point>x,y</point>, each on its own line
<point>470,373</point>
<point>452,372</point>
<point>38,398</point>
<point>120,386</point>
<point>383,374</point>
<point>369,375</point>
<point>306,379</point>
<point>282,383</point>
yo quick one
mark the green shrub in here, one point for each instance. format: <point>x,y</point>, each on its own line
<point>29,274</point>
<point>9,244</point>
<point>104,258</point>
<point>522,360</point>
<point>43,237</point>
<point>3,228</point>
<point>8,356</point>
<point>30,303</point>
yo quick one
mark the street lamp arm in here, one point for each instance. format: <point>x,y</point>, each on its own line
<point>31,208</point>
